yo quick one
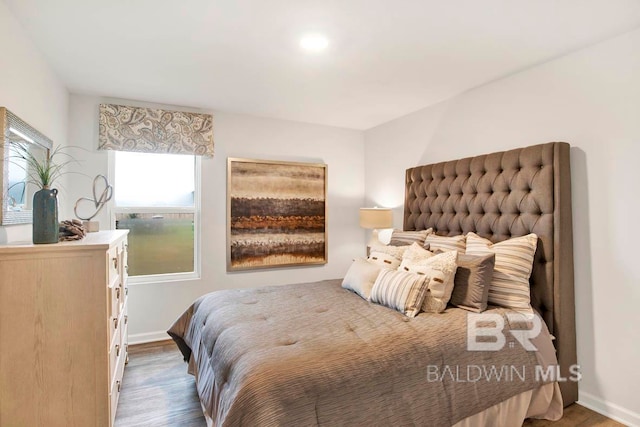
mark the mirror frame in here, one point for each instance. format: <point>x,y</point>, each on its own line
<point>11,126</point>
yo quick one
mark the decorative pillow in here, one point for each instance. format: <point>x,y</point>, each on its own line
<point>384,260</point>
<point>472,281</point>
<point>514,262</point>
<point>405,238</point>
<point>444,243</point>
<point>395,251</point>
<point>386,256</point>
<point>415,255</point>
<point>361,276</point>
<point>400,291</point>
<point>439,268</point>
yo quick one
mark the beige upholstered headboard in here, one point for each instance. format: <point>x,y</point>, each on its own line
<point>503,195</point>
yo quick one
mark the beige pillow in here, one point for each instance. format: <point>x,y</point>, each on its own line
<point>386,256</point>
<point>361,276</point>
<point>445,244</point>
<point>440,269</point>
<point>400,291</point>
<point>416,255</point>
<point>406,238</point>
<point>384,260</point>
<point>513,264</point>
<point>395,251</point>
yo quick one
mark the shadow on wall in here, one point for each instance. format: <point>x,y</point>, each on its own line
<point>582,263</point>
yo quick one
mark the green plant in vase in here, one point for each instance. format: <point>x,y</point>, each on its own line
<point>42,171</point>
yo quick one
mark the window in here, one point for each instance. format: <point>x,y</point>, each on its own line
<point>157,200</point>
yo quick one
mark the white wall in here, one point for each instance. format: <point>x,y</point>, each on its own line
<point>153,307</point>
<point>591,99</point>
<point>31,90</point>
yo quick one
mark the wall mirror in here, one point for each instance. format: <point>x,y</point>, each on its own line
<point>17,192</point>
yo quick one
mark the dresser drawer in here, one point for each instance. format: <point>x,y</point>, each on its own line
<point>125,260</point>
<point>114,265</point>
<point>116,298</point>
<point>116,386</point>
<point>114,329</point>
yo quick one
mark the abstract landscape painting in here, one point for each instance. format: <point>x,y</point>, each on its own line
<point>276,214</point>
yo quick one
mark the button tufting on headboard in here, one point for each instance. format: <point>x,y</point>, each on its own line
<point>503,195</point>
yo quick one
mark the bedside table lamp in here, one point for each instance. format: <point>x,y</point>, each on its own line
<point>376,219</point>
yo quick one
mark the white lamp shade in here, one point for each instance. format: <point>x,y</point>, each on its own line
<point>376,218</point>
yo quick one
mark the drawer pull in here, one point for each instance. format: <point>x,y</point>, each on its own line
<point>117,293</point>
<point>117,350</point>
<point>126,291</point>
<point>115,262</point>
<point>126,319</point>
<point>115,323</point>
<point>119,384</point>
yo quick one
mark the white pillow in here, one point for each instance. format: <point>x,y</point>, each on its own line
<point>416,255</point>
<point>514,262</point>
<point>361,276</point>
<point>440,269</point>
<point>384,260</point>
<point>395,251</point>
<point>387,256</point>
<point>400,291</point>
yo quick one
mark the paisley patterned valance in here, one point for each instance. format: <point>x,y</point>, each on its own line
<point>149,130</point>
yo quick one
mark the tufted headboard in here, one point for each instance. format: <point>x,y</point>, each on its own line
<point>503,195</point>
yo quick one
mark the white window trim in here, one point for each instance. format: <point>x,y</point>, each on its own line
<point>197,259</point>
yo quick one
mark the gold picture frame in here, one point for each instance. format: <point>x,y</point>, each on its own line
<point>276,214</point>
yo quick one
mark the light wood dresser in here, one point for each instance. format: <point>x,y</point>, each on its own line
<point>63,331</point>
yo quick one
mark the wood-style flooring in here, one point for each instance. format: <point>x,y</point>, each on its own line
<point>157,391</point>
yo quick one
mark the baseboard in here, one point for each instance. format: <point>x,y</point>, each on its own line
<point>148,337</point>
<point>611,410</point>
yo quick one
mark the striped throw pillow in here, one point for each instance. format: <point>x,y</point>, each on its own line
<point>513,264</point>
<point>445,244</point>
<point>405,238</point>
<point>400,291</point>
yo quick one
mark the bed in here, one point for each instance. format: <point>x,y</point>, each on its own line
<point>317,354</point>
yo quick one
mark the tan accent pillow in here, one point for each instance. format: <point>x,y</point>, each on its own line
<point>472,281</point>
<point>361,276</point>
<point>513,264</point>
<point>439,268</point>
<point>400,291</point>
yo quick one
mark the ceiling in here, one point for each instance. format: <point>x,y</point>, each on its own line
<point>385,58</point>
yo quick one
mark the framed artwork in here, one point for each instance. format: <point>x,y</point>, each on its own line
<point>276,214</point>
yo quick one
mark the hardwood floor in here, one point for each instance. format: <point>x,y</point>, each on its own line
<point>157,391</point>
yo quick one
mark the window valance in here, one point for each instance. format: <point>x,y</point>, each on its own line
<point>149,130</point>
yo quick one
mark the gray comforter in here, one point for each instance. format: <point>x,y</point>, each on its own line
<point>316,354</point>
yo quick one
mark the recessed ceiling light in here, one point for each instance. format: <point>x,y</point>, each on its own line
<point>314,42</point>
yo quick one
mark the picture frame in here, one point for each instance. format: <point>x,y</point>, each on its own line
<point>276,214</point>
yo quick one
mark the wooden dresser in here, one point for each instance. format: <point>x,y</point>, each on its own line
<point>63,331</point>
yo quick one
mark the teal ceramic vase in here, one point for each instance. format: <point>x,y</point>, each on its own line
<point>45,216</point>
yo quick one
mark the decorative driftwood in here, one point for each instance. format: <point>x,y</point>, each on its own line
<point>71,230</point>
